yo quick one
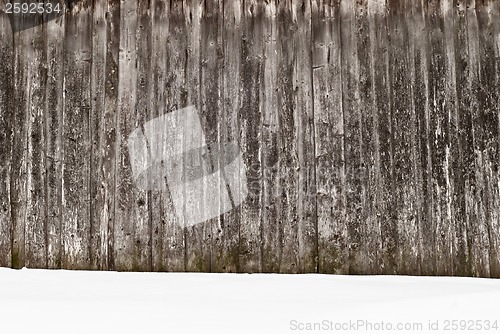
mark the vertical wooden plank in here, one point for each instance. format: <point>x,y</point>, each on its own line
<point>448,232</point>
<point>405,144</point>
<point>36,197</point>
<point>169,93</point>
<point>476,205</point>
<point>455,163</point>
<point>197,242</point>
<point>249,120</point>
<point>76,136</point>
<point>465,171</point>
<point>6,131</point>
<point>297,173</point>
<point>304,115</point>
<point>156,95</point>
<point>228,251</point>
<point>98,209</point>
<point>270,229</point>
<point>453,210</point>
<point>438,138</point>
<point>352,136</point>
<point>53,139</point>
<point>202,92</point>
<point>487,124</point>
<point>437,131</point>
<point>20,126</point>
<point>103,131</point>
<point>211,113</point>
<point>160,224</point>
<point>110,156</point>
<point>384,141</point>
<point>489,27</point>
<point>329,131</point>
<point>368,225</point>
<point>143,226</point>
<point>414,23</point>
<point>288,160</point>
<point>495,20</point>
<point>131,207</point>
<point>426,225</point>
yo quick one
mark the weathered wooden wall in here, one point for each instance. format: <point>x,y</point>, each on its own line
<point>369,130</point>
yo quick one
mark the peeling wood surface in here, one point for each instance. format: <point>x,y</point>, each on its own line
<point>369,131</point>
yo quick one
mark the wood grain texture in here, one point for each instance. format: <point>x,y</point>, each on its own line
<point>197,238</point>
<point>288,159</point>
<point>111,74</point>
<point>163,226</point>
<point>328,117</point>
<point>6,133</point>
<point>465,136</point>
<point>228,250</point>
<point>351,111</point>
<point>131,208</point>
<point>488,16</point>
<point>143,228</point>
<point>369,223</point>
<point>53,140</point>
<point>271,231</point>
<point>35,225</point>
<point>249,122</point>
<point>454,159</point>
<point>168,93</point>
<point>369,131</point>
<point>210,110</point>
<point>102,148</point>
<point>77,60</point>
<point>19,164</point>
<point>307,229</point>
<point>403,120</point>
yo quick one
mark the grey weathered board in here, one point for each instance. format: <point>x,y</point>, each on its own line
<point>369,130</point>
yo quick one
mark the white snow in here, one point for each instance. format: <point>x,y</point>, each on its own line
<point>59,301</point>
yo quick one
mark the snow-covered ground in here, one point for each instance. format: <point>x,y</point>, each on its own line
<point>69,302</point>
